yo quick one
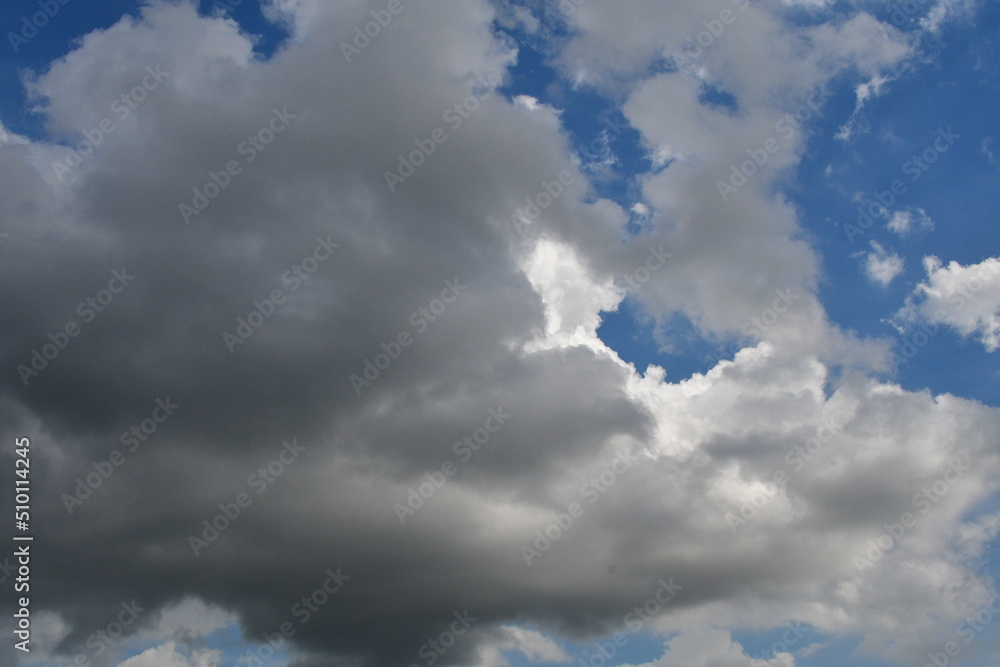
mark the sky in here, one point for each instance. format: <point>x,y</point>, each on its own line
<point>501,333</point>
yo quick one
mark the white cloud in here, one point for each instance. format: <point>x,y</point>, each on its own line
<point>881,266</point>
<point>966,298</point>
<point>527,101</point>
<point>572,296</point>
<point>189,616</point>
<point>944,11</point>
<point>8,138</point>
<point>533,645</point>
<point>166,655</point>
<point>863,92</point>
<point>712,647</point>
<point>904,221</point>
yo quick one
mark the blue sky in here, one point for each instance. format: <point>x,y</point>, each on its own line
<point>593,364</point>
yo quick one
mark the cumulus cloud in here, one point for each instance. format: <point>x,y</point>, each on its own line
<point>168,656</point>
<point>965,298</point>
<point>533,645</point>
<point>882,266</point>
<point>450,296</point>
<point>712,647</point>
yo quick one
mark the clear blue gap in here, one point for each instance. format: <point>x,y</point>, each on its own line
<point>677,345</point>
<point>960,193</point>
<point>714,96</point>
<point>631,335</point>
<point>591,121</point>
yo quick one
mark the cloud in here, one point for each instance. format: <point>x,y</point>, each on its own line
<point>8,138</point>
<point>711,647</point>
<point>881,266</point>
<point>987,152</point>
<point>533,645</point>
<point>167,656</point>
<point>519,336</point>
<point>904,221</point>
<point>966,298</point>
<point>944,11</point>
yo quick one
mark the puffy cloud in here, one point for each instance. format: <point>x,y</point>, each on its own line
<point>882,266</point>
<point>167,655</point>
<point>966,298</point>
<point>533,645</point>
<point>711,647</point>
<point>498,314</point>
